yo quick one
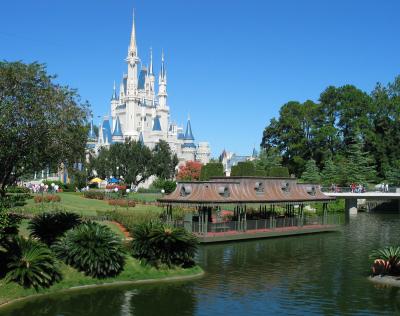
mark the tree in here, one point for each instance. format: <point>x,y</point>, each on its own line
<point>130,160</point>
<point>163,161</point>
<point>42,123</point>
<point>212,169</point>
<point>190,171</point>
<point>311,172</point>
<point>243,169</point>
<point>358,167</point>
<point>267,159</point>
<point>331,173</point>
<point>393,173</point>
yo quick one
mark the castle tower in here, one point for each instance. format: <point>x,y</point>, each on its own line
<point>188,147</point>
<point>114,101</point>
<point>130,83</point>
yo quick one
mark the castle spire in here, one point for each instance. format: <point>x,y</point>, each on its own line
<point>151,62</point>
<point>162,74</point>
<point>114,95</point>
<point>132,44</point>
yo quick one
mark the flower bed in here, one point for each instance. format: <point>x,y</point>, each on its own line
<point>122,202</point>
<point>47,198</point>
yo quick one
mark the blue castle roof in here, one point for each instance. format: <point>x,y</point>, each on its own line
<point>189,133</point>
<point>156,125</point>
<point>141,140</point>
<point>117,130</point>
<point>91,133</point>
<point>188,145</point>
<point>142,78</point>
<point>107,130</point>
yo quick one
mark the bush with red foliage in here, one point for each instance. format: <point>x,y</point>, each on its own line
<point>190,171</point>
<point>47,198</point>
<point>122,203</point>
<point>113,186</point>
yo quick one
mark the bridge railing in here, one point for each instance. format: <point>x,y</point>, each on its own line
<point>356,190</point>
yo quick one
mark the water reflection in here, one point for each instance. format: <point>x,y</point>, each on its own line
<point>303,275</point>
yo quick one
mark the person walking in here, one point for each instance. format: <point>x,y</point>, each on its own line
<point>386,187</point>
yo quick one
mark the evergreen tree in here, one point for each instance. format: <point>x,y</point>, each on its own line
<point>331,173</point>
<point>393,173</point>
<point>311,173</point>
<point>359,167</point>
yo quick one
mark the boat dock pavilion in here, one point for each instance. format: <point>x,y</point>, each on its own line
<point>235,208</point>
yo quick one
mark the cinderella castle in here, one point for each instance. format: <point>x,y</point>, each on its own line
<point>141,113</point>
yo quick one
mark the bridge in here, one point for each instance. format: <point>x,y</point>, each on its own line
<point>352,197</point>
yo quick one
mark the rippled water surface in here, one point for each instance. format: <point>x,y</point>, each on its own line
<point>308,275</point>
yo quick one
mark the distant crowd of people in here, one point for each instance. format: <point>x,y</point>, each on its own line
<point>384,187</point>
<point>357,188</point>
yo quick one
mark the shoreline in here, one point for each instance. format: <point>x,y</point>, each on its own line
<point>385,280</point>
<point>105,285</point>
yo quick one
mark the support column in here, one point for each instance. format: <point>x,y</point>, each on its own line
<point>350,206</point>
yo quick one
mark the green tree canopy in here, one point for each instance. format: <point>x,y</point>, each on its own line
<point>130,160</point>
<point>212,169</point>
<point>163,161</point>
<point>42,123</point>
<point>311,173</point>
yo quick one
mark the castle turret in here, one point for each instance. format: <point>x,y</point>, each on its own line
<point>117,136</point>
<point>162,84</point>
<point>114,101</point>
<point>133,61</point>
<point>188,147</point>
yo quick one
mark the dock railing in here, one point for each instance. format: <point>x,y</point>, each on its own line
<point>259,225</point>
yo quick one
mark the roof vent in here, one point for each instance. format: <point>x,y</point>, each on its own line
<point>185,190</point>
<point>285,187</point>
<point>311,190</point>
<point>259,187</point>
<point>224,191</point>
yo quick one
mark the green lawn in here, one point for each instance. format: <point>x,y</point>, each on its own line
<point>75,202</point>
<point>23,228</point>
<point>133,271</point>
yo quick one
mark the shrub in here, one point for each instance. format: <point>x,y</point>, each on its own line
<point>243,168</point>
<point>50,226</point>
<point>93,249</point>
<point>157,244</point>
<point>278,172</point>
<point>386,261</point>
<point>113,186</point>
<point>122,202</point>
<point>8,225</point>
<point>47,198</point>
<point>168,186</point>
<point>31,264</point>
<point>17,189</point>
<point>128,218</point>
<point>96,195</point>
<point>212,169</point>
<point>149,190</point>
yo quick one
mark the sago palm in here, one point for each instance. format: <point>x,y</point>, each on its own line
<point>31,264</point>
<point>93,249</point>
<point>48,227</point>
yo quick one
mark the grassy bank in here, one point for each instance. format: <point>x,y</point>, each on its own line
<point>134,271</point>
<point>75,202</point>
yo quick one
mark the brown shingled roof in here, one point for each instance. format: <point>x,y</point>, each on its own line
<point>235,190</point>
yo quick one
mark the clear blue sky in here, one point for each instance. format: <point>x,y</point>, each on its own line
<point>231,63</point>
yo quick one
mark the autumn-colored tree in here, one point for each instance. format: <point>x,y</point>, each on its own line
<point>190,171</point>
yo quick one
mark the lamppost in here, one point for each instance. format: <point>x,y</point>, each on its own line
<point>127,198</point>
<point>116,191</point>
<point>42,191</point>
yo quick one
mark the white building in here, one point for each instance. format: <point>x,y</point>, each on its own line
<point>141,113</point>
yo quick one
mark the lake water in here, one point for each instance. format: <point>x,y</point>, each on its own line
<point>322,274</point>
